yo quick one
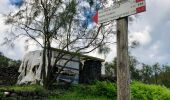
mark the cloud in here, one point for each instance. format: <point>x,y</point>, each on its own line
<point>4,6</point>
<point>18,51</point>
<point>112,54</point>
<point>152,30</point>
<point>143,37</point>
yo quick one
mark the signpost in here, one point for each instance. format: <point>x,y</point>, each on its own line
<point>120,12</point>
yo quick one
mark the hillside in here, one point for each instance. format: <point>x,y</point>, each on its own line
<point>8,70</point>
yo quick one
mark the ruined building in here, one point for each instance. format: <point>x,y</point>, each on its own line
<point>79,69</point>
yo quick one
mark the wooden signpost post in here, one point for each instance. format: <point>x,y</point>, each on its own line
<point>120,12</point>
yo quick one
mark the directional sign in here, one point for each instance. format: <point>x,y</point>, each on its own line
<point>120,10</point>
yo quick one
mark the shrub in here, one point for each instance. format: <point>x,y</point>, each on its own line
<point>2,96</point>
<point>106,88</point>
<point>141,91</point>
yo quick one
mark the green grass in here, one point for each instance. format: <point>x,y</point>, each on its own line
<point>98,91</point>
<point>75,96</point>
<point>26,89</point>
<point>23,88</point>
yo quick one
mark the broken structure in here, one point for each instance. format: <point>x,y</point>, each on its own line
<point>78,69</point>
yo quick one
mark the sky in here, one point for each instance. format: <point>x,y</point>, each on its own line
<point>150,28</point>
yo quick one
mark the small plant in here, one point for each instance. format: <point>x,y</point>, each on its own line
<point>2,96</point>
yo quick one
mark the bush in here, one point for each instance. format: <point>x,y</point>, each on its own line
<point>106,88</point>
<point>141,91</point>
<point>2,96</point>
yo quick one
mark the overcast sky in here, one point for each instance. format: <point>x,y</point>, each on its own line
<point>151,29</point>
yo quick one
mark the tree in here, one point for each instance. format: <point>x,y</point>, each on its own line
<point>56,22</point>
<point>133,65</point>
<point>7,62</point>
<point>164,75</point>
<point>156,71</point>
<point>134,71</point>
<point>110,69</point>
<point>3,60</point>
<point>146,73</point>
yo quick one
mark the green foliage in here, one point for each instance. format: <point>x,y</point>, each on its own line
<point>150,74</point>
<point>98,91</point>
<point>3,61</point>
<point>163,77</point>
<point>28,88</point>
<point>141,91</point>
<point>133,63</point>
<point>2,96</point>
<point>110,68</point>
<point>6,62</point>
<point>106,88</point>
<point>107,91</point>
<point>135,73</point>
<point>75,96</point>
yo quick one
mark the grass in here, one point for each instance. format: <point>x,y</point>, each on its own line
<point>98,91</point>
<point>75,96</point>
<point>28,88</point>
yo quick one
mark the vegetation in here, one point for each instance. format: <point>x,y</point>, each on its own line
<point>141,91</point>
<point>150,74</point>
<point>2,96</point>
<point>8,70</point>
<point>24,92</point>
<point>7,62</point>
<point>20,88</point>
<point>104,90</point>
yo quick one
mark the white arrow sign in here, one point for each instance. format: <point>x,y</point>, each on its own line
<point>120,10</point>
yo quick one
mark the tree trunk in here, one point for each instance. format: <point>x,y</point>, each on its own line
<point>43,71</point>
<point>49,67</point>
